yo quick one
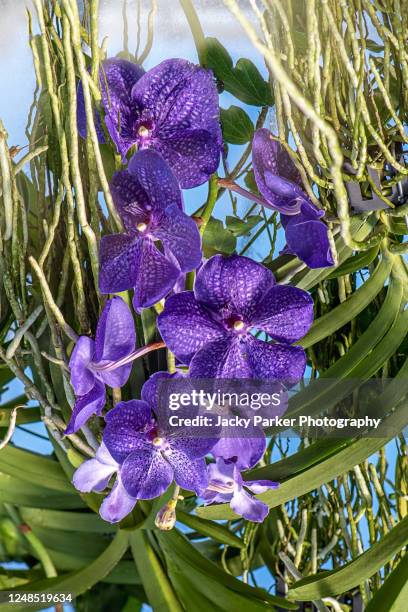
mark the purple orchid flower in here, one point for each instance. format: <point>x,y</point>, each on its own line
<point>150,204</point>
<point>150,457</point>
<point>116,79</point>
<point>226,485</point>
<point>172,108</point>
<point>279,182</point>
<point>115,338</point>
<point>94,475</point>
<point>211,328</point>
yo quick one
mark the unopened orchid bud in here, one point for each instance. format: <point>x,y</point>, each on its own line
<point>166,517</point>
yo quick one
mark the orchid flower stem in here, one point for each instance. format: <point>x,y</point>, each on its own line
<point>210,203</point>
<point>113,365</point>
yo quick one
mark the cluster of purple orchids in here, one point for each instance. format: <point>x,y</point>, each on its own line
<point>165,126</point>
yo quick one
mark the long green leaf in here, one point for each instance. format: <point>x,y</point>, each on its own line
<point>342,579</point>
<point>158,588</point>
<point>23,493</point>
<point>69,521</point>
<point>76,582</point>
<point>34,468</point>
<point>345,312</point>
<point>393,595</point>
<point>212,530</point>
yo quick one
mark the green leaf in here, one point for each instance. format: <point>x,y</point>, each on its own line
<point>357,262</point>
<point>34,468</point>
<point>24,493</point>
<point>81,522</point>
<point>348,310</point>
<point>340,580</point>
<point>209,579</point>
<point>237,127</point>
<point>76,582</point>
<point>24,415</point>
<point>155,581</point>
<point>217,239</point>
<point>210,529</point>
<point>393,595</point>
<point>240,227</point>
<point>244,81</point>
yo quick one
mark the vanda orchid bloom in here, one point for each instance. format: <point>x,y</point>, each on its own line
<point>279,182</point>
<point>211,328</point>
<point>161,242</point>
<point>173,108</point>
<point>115,339</point>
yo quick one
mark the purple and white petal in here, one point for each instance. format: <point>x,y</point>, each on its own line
<point>156,275</point>
<point>126,427</point>
<point>115,333</point>
<point>156,178</point>
<point>118,504</point>
<point>192,154</point>
<point>94,474</point>
<point>224,357</point>
<point>186,326</point>
<point>307,237</point>
<point>86,406</point>
<point>285,313</point>
<point>190,474</point>
<point>131,200</point>
<point>278,362</point>
<point>119,262</point>
<point>82,379</point>
<point>250,508</point>
<point>151,388</point>
<point>146,474</point>
<point>276,176</point>
<point>260,486</point>
<point>193,446</point>
<point>179,234</point>
<point>245,451</point>
<point>233,283</point>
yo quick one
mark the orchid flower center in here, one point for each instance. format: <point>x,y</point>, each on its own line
<point>143,131</point>
<point>141,227</point>
<point>157,441</point>
<point>236,324</point>
<point>239,325</point>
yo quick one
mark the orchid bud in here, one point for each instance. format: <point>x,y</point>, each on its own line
<point>166,517</point>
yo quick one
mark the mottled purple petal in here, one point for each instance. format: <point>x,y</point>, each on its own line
<point>156,178</point>
<point>179,234</point>
<point>186,326</point>
<point>260,486</point>
<point>130,198</point>
<point>222,358</point>
<point>246,451</point>
<point>156,276</point>
<point>192,154</point>
<point>82,379</point>
<point>248,507</point>
<point>126,427</point>
<point>193,446</point>
<point>117,505</point>
<point>145,474</point>
<point>150,390</point>
<point>94,474</point>
<point>117,78</point>
<point>119,261</point>
<point>236,283</point>
<point>276,361</point>
<point>276,175</point>
<point>86,406</point>
<point>190,474</point>
<point>179,93</point>
<point>285,313</point>
<point>115,334</point>
<point>307,237</point>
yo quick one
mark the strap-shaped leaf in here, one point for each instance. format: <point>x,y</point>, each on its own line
<point>69,521</point>
<point>325,584</point>
<point>76,582</point>
<point>345,312</point>
<point>34,468</point>
<point>23,493</point>
<point>212,530</point>
<point>156,583</point>
<point>393,595</point>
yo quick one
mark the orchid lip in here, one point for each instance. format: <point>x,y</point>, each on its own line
<point>222,487</point>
